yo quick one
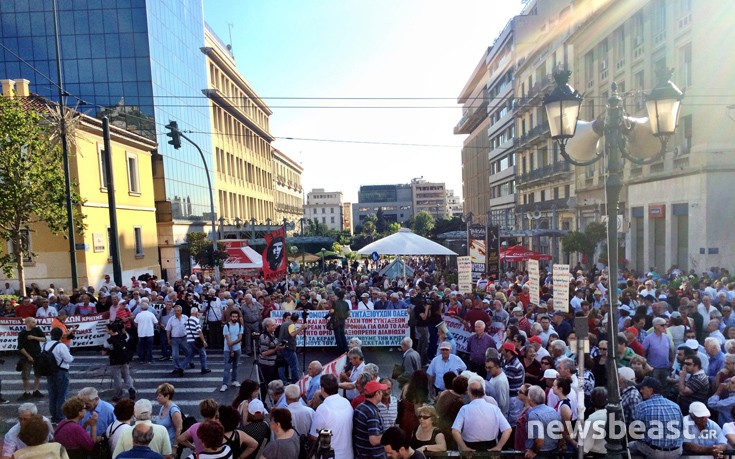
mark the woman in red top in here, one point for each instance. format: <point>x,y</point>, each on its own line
<point>124,314</point>
<point>70,434</point>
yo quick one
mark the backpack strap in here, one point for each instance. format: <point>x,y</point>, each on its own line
<point>51,351</point>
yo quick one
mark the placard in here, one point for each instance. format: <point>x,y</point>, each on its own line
<point>477,244</point>
<point>562,277</point>
<point>92,330</point>
<point>464,275</point>
<point>534,280</point>
<point>374,328</point>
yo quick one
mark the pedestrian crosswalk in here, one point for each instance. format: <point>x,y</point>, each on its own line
<point>92,369</point>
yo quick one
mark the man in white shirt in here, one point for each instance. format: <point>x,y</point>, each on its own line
<point>8,290</point>
<point>146,322</point>
<point>45,309</point>
<point>58,383</point>
<point>365,304</point>
<point>482,433</point>
<point>160,443</point>
<point>335,414</point>
<point>11,442</point>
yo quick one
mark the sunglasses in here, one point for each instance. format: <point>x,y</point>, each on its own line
<point>424,417</point>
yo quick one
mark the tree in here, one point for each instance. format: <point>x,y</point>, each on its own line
<point>393,228</point>
<point>315,228</point>
<point>200,249</point>
<point>33,182</point>
<point>423,223</point>
<point>585,242</point>
<point>368,228</point>
<point>444,225</point>
<point>380,222</point>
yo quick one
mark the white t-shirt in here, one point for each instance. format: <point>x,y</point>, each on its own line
<point>146,322</point>
<point>335,413</point>
<point>115,431</point>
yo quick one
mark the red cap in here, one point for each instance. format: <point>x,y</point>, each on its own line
<point>509,347</point>
<point>374,386</point>
<point>633,330</point>
<point>535,339</point>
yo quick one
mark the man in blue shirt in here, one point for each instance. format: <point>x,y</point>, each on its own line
<point>105,411</point>
<point>442,364</point>
<point>661,417</point>
<point>723,401</point>
<point>232,332</point>
<point>540,416</point>
<point>142,436</point>
<point>315,371</point>
<point>703,436</point>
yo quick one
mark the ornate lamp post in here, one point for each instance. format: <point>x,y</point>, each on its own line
<point>323,250</point>
<point>562,109</point>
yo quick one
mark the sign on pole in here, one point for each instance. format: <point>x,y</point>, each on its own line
<point>562,277</point>
<point>464,275</point>
<point>534,281</point>
<point>478,250</point>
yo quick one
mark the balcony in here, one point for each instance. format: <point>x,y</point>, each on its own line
<point>538,133</point>
<point>473,117</point>
<point>540,87</point>
<point>547,205</point>
<point>545,173</point>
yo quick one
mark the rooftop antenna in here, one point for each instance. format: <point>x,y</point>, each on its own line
<point>229,28</point>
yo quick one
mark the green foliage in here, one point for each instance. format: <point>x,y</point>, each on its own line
<point>445,225</point>
<point>393,228</point>
<point>423,223</point>
<point>585,242</point>
<point>200,248</point>
<point>368,228</point>
<point>33,182</point>
<point>380,223</point>
<point>315,228</point>
<point>337,248</point>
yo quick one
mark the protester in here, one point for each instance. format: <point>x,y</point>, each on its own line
<point>189,438</point>
<point>12,441</point>
<point>428,437</point>
<point>334,414</point>
<point>58,381</point>
<point>70,434</point>
<point>285,444</point>
<point>142,435</point>
<point>34,435</point>
<point>240,443</point>
<point>29,345</point>
<point>169,416</point>
<point>124,411</point>
<point>233,349</point>
<point>479,423</point>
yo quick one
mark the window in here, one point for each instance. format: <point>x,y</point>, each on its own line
<point>133,179</point>
<point>324,210</point>
<point>324,219</point>
<point>686,65</point>
<point>138,241</point>
<point>331,210</point>
<point>332,219</point>
<point>103,167</point>
<point>25,242</point>
<point>315,210</point>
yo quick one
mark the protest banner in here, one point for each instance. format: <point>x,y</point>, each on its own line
<point>534,281</point>
<point>477,243</point>
<point>374,328</point>
<point>464,275</point>
<point>462,331</point>
<point>562,277</point>
<point>332,368</point>
<point>91,332</point>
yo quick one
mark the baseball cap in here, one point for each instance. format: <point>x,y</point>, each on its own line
<point>535,339</point>
<point>664,297</point>
<point>633,330</point>
<point>551,374</point>
<point>509,347</point>
<point>256,406</point>
<point>517,309</point>
<point>653,383</point>
<point>560,313</point>
<point>364,295</point>
<point>445,345</point>
<point>626,373</point>
<point>699,410</point>
<point>692,344</point>
<point>373,386</point>
<point>142,406</point>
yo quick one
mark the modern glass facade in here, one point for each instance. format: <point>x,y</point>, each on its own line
<point>136,61</point>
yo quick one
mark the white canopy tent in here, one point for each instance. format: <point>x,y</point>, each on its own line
<point>405,242</point>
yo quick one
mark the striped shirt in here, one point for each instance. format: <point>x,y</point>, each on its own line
<point>515,372</point>
<point>660,415</point>
<point>193,327</point>
<point>389,413</point>
<point>366,421</point>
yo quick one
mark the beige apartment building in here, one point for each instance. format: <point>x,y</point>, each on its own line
<point>243,155</point>
<point>430,197</point>
<point>288,192</point>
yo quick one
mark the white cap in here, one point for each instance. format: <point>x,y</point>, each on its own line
<point>699,410</point>
<point>256,406</point>
<point>626,373</point>
<point>551,374</point>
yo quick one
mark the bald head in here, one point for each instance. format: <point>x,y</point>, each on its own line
<point>142,434</point>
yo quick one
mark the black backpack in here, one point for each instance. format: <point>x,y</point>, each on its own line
<point>45,364</point>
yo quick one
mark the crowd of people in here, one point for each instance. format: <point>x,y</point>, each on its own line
<point>674,353</point>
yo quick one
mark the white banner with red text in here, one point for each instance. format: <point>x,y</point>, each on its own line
<point>91,330</point>
<point>374,328</point>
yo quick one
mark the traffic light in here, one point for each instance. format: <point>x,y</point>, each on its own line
<point>174,133</point>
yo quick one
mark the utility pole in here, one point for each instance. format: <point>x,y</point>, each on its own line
<point>111,204</point>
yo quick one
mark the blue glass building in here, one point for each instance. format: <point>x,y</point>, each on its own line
<point>137,61</point>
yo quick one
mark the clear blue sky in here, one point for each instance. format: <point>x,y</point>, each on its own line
<point>367,49</point>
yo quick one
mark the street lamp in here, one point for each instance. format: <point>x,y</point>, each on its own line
<point>562,110</point>
<point>323,250</point>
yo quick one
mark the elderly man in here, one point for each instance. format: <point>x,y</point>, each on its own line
<point>656,411</point>
<point>477,346</point>
<point>411,361</point>
<point>11,442</point>
<point>176,336</point>
<point>251,316</point>
<point>105,412</point>
<point>212,310</point>
<point>723,401</point>
<point>45,309</point>
<point>146,322</point>
<point>481,433</point>
<point>300,414</point>
<point>713,330</point>
<point>357,360</point>
<point>442,364</point>
<point>367,425</point>
<point>497,385</point>
<point>703,436</point>
<point>29,344</point>
<point>160,442</point>
<point>630,397</point>
<point>540,416</point>
<point>315,372</point>
<point>142,436</point>
<point>196,341</point>
<point>546,329</point>
<point>659,349</point>
<point>716,357</point>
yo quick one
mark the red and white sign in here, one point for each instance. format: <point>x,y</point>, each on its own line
<point>275,261</point>
<point>332,368</point>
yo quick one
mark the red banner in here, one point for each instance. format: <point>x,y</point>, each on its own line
<point>332,368</point>
<point>274,255</point>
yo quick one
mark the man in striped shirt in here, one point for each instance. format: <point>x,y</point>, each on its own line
<point>194,331</point>
<point>367,425</point>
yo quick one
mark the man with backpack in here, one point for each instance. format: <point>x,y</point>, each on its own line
<point>120,354</point>
<point>53,362</point>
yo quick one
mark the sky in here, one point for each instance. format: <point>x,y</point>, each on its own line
<point>370,58</point>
